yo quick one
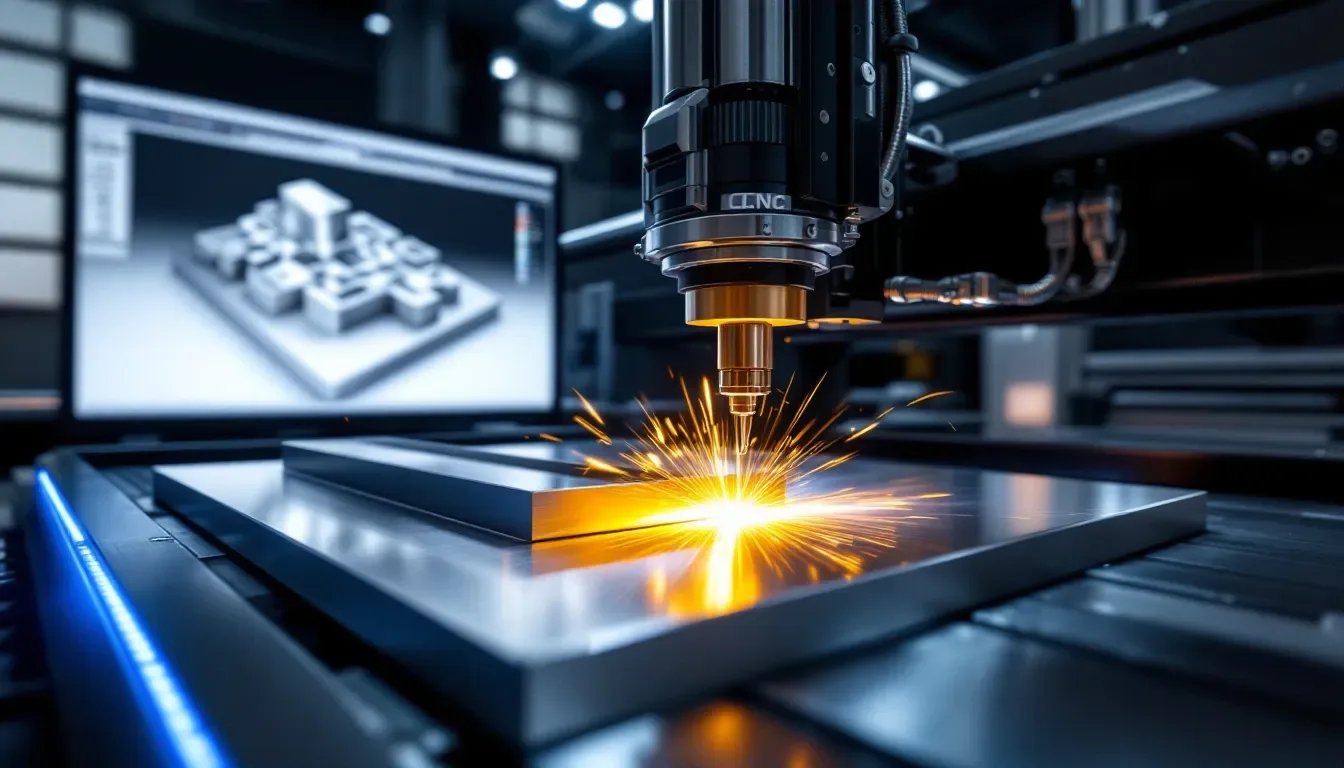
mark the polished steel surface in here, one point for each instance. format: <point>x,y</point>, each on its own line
<point>534,452</point>
<point>525,503</point>
<point>967,696</point>
<point>545,639</point>
<point>681,65</point>
<point>753,42</point>
<point>758,230</point>
<point>721,734</point>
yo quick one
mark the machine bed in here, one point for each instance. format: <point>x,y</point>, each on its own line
<point>1222,647</point>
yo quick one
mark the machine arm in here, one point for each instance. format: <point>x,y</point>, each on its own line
<point>771,140</point>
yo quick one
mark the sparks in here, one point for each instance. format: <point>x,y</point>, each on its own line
<point>757,517</point>
<point>603,466</point>
<point>694,452</point>
<point>587,406</point>
<point>929,396</point>
<point>593,429</point>
<point>550,437</point>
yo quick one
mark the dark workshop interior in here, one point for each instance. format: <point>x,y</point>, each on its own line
<point>705,383</point>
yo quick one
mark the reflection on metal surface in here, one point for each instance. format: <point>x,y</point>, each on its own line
<point>578,631</point>
<point>705,459</point>
<point>525,503</point>
<point>720,734</point>
<point>736,553</point>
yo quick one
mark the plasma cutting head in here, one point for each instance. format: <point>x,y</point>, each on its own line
<point>762,155</point>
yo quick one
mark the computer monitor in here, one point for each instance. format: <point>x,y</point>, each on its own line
<point>236,262</point>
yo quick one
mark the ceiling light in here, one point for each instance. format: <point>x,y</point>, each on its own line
<point>572,5</point>
<point>503,67</point>
<point>926,89</point>
<point>609,15</point>
<point>642,10</point>
<point>377,24</point>
<point>615,100</point>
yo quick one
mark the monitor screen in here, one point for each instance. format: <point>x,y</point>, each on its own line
<point>231,261</point>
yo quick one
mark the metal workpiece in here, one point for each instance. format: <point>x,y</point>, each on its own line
<point>520,502</point>
<point>542,640</point>
<point>531,454</point>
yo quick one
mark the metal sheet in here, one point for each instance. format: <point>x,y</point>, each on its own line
<point>518,501</point>
<point>1270,655</point>
<point>1217,586</point>
<point>1277,565</point>
<point>547,639</point>
<point>969,696</point>
<point>721,734</point>
<point>533,454</point>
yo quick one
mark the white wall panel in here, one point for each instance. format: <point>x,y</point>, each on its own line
<point>30,278</point>
<point>100,35</point>
<point>31,22</point>
<point>30,149</point>
<point>33,83</point>
<point>30,213</point>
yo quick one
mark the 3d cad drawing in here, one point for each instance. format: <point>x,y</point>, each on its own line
<point>340,296</point>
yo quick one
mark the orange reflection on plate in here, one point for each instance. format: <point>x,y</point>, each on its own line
<point>741,553</point>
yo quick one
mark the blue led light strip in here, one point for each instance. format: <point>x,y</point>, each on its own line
<point>193,746</point>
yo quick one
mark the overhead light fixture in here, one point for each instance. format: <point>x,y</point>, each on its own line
<point>926,89</point>
<point>572,5</point>
<point>377,24</point>
<point>503,67</point>
<point>615,101</point>
<point>609,15</point>
<point>642,10</point>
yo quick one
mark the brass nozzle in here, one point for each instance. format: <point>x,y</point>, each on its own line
<point>746,358</point>
<point>745,315</point>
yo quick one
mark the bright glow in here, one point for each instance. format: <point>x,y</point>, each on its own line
<point>58,503</point>
<point>615,101</point>
<point>190,742</point>
<point>1029,404</point>
<point>609,15</point>
<point>642,10</point>
<point>755,521</point>
<point>926,89</point>
<point>572,5</point>
<point>503,67</point>
<point>377,24</point>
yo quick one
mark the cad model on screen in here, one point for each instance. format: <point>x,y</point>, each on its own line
<point>307,264</point>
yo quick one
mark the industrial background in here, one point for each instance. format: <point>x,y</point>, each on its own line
<point>1213,361</point>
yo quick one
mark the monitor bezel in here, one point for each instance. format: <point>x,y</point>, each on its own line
<point>85,428</point>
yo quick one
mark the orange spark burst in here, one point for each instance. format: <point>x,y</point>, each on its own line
<point>552,438</point>
<point>749,538</point>
<point>692,451</point>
